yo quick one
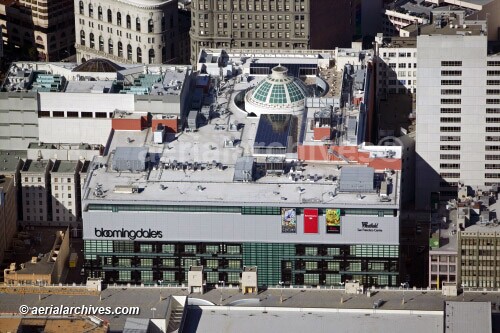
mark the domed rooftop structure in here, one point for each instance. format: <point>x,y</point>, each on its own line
<point>278,93</point>
<point>98,65</point>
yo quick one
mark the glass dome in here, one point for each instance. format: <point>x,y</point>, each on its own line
<point>278,93</point>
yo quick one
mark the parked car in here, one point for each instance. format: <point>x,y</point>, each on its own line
<point>378,303</point>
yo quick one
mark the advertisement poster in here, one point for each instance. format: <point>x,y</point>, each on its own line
<point>333,221</point>
<point>288,220</point>
<point>310,221</point>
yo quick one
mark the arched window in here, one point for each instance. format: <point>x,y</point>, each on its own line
<point>150,25</point>
<point>91,37</point>
<point>91,10</point>
<point>151,56</point>
<point>138,24</point>
<point>99,12</point>
<point>82,37</point>
<point>118,19</point>
<point>110,16</point>
<point>110,46</point>
<point>101,43</point>
<point>129,24</point>
<point>81,8</point>
<point>39,39</point>
<point>139,55</point>
<point>129,52</point>
<point>120,49</point>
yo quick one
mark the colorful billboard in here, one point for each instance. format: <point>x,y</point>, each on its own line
<point>333,221</point>
<point>310,221</point>
<point>288,220</point>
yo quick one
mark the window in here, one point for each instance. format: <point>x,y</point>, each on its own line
<point>494,63</point>
<point>233,249</point>
<point>449,166</point>
<point>451,101</point>
<point>92,40</point>
<point>120,49</point>
<point>492,157</point>
<point>492,148</point>
<point>493,82</point>
<point>146,248</point>
<point>234,263</point>
<point>101,43</point>
<point>110,16</point>
<point>451,73</point>
<point>110,46</point>
<point>81,8</point>
<point>129,23</point>
<point>311,251</point>
<point>190,248</point>
<point>168,248</point>
<point>492,92</point>
<point>147,262</point>
<point>151,56</point>
<point>311,265</point>
<point>91,10</point>
<point>492,101</point>
<point>212,263</point>
<point>449,147</point>
<point>212,249</point>
<point>139,55</point>
<point>99,13</point>
<point>492,175</point>
<point>492,166</point>
<point>129,52</point>
<point>146,276</point>
<point>492,110</point>
<point>311,279</point>
<point>451,82</point>
<point>124,275</point>
<point>449,156</point>
<point>451,63</point>
<point>450,174</point>
<point>492,120</point>
<point>168,276</point>
<point>333,251</point>
<point>138,24</point>
<point>449,138</point>
<point>150,25</point>
<point>451,110</point>
<point>492,129</point>
<point>82,37</point>
<point>450,129</point>
<point>451,91</point>
<point>450,120</point>
<point>119,18</point>
<point>493,73</point>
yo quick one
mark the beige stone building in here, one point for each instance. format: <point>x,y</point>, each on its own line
<point>127,31</point>
<point>35,182</point>
<point>271,24</point>
<point>65,187</point>
<point>46,28</point>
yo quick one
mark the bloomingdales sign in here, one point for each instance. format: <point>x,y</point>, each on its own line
<point>369,227</point>
<point>131,234</point>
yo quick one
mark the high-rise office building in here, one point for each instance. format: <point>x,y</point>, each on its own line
<point>46,29</point>
<point>129,31</point>
<point>458,102</point>
<point>282,24</point>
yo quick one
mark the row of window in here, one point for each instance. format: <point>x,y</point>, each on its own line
<point>119,18</point>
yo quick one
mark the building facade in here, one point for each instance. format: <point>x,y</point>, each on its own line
<point>457,105</point>
<point>281,24</point>
<point>8,212</point>
<point>35,182</point>
<point>144,32</point>
<point>65,186</point>
<point>44,29</point>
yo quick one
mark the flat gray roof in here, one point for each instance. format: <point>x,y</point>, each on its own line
<point>64,167</point>
<point>272,319</point>
<point>9,160</point>
<point>356,179</point>
<point>468,317</point>
<point>32,166</point>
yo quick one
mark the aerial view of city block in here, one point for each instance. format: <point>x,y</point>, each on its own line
<point>250,166</point>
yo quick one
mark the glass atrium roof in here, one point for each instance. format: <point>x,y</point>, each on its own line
<point>278,90</point>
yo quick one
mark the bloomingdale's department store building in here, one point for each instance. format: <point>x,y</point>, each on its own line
<point>300,245</point>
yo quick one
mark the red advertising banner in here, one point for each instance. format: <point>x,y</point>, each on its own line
<point>310,221</point>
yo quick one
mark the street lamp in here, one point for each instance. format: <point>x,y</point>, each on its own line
<point>404,284</point>
<point>153,309</point>
<point>281,294</point>
<point>160,282</point>
<point>223,285</point>
<point>463,291</point>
